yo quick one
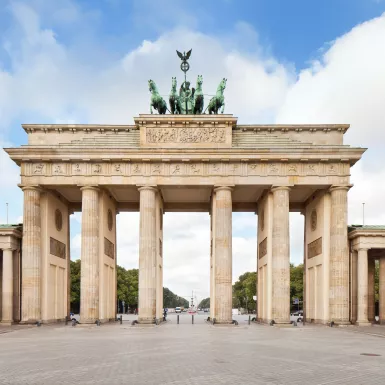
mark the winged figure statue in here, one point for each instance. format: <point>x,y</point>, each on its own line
<point>184,56</point>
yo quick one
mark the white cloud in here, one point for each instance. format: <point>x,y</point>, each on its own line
<point>347,85</point>
<point>48,81</point>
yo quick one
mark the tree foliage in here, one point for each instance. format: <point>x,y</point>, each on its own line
<point>127,289</point>
<point>205,303</point>
<point>127,286</point>
<point>246,287</point>
<point>296,284</point>
<point>171,300</point>
<point>75,285</point>
<point>244,290</point>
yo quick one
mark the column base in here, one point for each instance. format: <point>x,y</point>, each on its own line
<point>342,323</point>
<point>219,322</point>
<point>29,322</point>
<point>363,323</point>
<point>7,323</point>
<point>87,321</point>
<point>146,321</point>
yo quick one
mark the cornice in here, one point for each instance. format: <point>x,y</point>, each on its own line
<point>293,127</point>
<point>75,154</point>
<point>58,128</point>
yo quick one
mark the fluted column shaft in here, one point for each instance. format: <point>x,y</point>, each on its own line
<point>339,256</point>
<point>7,294</point>
<point>371,295</point>
<point>147,255</point>
<point>382,290</point>
<point>362,290</point>
<point>89,284</point>
<point>281,255</point>
<point>31,262</point>
<point>223,255</point>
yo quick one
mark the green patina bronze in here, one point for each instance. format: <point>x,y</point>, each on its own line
<point>218,100</point>
<point>188,101</point>
<point>157,101</point>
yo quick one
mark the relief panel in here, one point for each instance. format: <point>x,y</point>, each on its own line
<point>109,248</point>
<point>314,248</point>
<point>57,248</point>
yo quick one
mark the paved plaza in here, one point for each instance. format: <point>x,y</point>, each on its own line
<point>191,354</point>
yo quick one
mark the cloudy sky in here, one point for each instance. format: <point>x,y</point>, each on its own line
<point>83,61</point>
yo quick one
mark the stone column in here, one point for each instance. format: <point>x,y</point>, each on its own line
<point>382,290</point>
<point>7,294</point>
<point>147,255</point>
<point>281,255</point>
<point>31,262</point>
<point>223,255</point>
<point>339,256</point>
<point>371,297</point>
<point>89,284</point>
<point>362,291</point>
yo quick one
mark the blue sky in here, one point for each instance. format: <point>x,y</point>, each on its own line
<point>77,61</point>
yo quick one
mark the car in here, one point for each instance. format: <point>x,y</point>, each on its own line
<point>206,310</point>
<point>178,310</point>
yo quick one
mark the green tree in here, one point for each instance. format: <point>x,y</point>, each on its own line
<point>171,300</point>
<point>244,290</point>
<point>296,284</point>
<point>75,285</point>
<point>205,303</point>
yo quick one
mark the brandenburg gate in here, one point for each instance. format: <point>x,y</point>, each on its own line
<point>167,163</point>
<point>188,161</point>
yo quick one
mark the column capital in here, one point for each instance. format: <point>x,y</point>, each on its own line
<point>364,249</point>
<point>278,188</point>
<point>9,249</point>
<point>147,187</point>
<point>224,188</point>
<point>89,187</point>
<point>342,187</point>
<point>31,188</point>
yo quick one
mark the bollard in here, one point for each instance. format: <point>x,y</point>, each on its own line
<point>66,321</point>
<point>192,319</point>
<point>294,323</point>
<point>97,322</point>
<point>177,319</point>
<point>38,323</point>
<point>121,319</point>
<point>74,322</point>
<point>249,319</point>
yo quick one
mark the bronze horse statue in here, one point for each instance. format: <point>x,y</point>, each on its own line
<point>174,99</point>
<point>157,101</point>
<point>218,100</point>
<point>198,96</point>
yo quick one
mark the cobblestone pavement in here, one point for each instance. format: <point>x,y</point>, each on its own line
<point>198,354</point>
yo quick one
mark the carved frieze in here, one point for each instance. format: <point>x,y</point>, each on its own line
<point>78,169</point>
<point>186,135</point>
<point>57,248</point>
<point>314,248</point>
<point>188,168</point>
<point>109,248</point>
<point>262,248</point>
